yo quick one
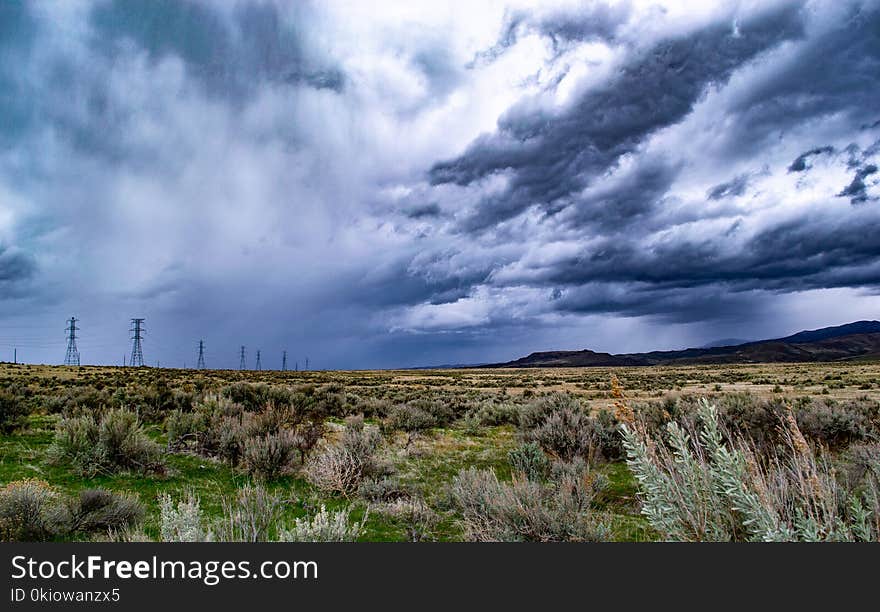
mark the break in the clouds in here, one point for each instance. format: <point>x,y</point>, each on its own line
<point>421,183</point>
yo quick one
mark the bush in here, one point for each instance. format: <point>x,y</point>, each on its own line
<point>115,443</point>
<point>417,517</point>
<point>267,457</point>
<point>409,418</point>
<point>252,516</point>
<point>182,427</point>
<point>697,487</point>
<point>536,412</point>
<point>13,411</point>
<point>30,511</point>
<point>525,510</point>
<point>529,461</point>
<point>342,467</point>
<point>382,489</point>
<point>181,521</point>
<point>323,527</point>
<point>566,434</point>
<point>101,510</point>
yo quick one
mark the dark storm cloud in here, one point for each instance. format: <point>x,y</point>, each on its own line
<point>672,305</point>
<point>800,164</point>
<point>15,266</point>
<point>809,253</point>
<point>290,176</point>
<point>18,29</point>
<point>857,191</point>
<point>552,157</point>
<point>833,73</point>
<point>732,188</point>
<point>231,56</point>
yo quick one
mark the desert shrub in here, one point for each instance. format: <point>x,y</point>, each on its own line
<point>228,437</point>
<point>831,423</point>
<point>566,433</point>
<point>251,396</point>
<point>409,418</point>
<point>323,527</point>
<point>13,411</point>
<point>382,489</point>
<point>529,461</point>
<point>181,521</point>
<point>492,414</point>
<point>268,456</point>
<point>834,424</point>
<point>696,486</point>
<point>117,442</point>
<point>76,401</point>
<point>308,434</point>
<point>94,510</point>
<point>182,427</point>
<point>536,412</point>
<point>251,516</point>
<point>417,517</point>
<point>525,510</point>
<point>30,510</point>
<point>607,436</point>
<point>342,467</point>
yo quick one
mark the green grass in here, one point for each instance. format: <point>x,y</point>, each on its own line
<point>427,465</point>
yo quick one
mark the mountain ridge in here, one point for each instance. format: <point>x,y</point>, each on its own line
<point>856,340</point>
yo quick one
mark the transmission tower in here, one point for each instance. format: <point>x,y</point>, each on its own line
<point>201,365</point>
<point>72,356</point>
<point>307,363</point>
<point>259,366</point>
<point>137,352</point>
<point>241,364</point>
<point>283,361</point>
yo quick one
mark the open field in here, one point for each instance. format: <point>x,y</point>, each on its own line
<point>392,451</point>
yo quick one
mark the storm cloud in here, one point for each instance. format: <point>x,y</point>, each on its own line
<point>433,182</point>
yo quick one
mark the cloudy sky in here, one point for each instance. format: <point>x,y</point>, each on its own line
<point>433,182</point>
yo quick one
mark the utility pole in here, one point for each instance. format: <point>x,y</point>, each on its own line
<point>241,364</point>
<point>137,352</point>
<point>72,356</point>
<point>283,361</point>
<point>259,366</point>
<point>201,365</point>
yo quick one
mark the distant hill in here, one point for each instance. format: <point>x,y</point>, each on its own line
<point>724,342</point>
<point>859,340</point>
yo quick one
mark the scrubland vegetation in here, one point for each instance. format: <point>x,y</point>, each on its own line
<point>708,453</point>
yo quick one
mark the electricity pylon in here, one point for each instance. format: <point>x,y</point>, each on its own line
<point>201,365</point>
<point>259,365</point>
<point>283,361</point>
<point>137,352</point>
<point>241,364</point>
<point>72,356</point>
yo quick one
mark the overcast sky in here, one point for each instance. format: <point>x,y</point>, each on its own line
<point>414,183</point>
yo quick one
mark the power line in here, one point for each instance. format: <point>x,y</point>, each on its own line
<point>137,353</point>
<point>201,365</point>
<point>72,356</point>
